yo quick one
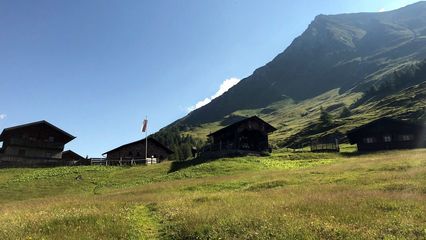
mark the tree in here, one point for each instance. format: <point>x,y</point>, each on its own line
<point>186,151</point>
<point>345,112</point>
<point>181,144</point>
<point>325,117</point>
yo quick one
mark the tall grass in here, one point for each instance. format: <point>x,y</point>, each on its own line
<point>284,196</point>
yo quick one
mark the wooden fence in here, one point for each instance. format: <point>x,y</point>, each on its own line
<point>122,161</point>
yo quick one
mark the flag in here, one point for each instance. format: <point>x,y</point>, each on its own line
<point>144,125</point>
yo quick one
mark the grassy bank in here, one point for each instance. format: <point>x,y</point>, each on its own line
<point>284,196</point>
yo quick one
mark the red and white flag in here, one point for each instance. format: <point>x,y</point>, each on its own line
<point>144,125</point>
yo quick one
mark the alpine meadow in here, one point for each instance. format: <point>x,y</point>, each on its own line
<point>325,141</point>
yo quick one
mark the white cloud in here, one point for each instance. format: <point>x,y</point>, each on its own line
<point>382,9</point>
<point>2,116</point>
<point>225,86</point>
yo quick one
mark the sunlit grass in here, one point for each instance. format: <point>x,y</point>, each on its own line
<point>284,196</point>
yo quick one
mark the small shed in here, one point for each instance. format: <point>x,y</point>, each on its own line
<point>74,159</point>
<point>329,143</point>
<point>249,134</point>
<point>136,150</point>
<point>386,133</point>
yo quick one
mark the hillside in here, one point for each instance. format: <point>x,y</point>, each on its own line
<point>336,60</point>
<point>401,97</point>
<point>283,196</point>
<point>337,51</point>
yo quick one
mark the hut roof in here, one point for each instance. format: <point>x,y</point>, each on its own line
<point>382,121</point>
<point>141,141</point>
<point>269,127</point>
<point>384,124</point>
<point>66,136</point>
<point>71,155</point>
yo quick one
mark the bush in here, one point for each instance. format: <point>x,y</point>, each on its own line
<point>345,112</point>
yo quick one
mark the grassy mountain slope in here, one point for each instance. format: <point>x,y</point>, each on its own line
<point>284,196</point>
<point>345,51</point>
<point>333,65</point>
<point>294,119</point>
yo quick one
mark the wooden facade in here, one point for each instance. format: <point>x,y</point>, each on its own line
<point>327,143</point>
<point>33,143</point>
<point>250,134</point>
<point>386,133</point>
<point>136,150</point>
<point>325,146</point>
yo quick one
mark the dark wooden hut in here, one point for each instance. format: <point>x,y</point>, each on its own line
<point>33,144</point>
<point>136,150</point>
<point>250,134</point>
<point>329,143</point>
<point>73,158</point>
<point>387,133</point>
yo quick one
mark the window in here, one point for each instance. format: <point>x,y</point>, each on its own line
<point>369,140</point>
<point>387,138</point>
<point>51,139</point>
<point>405,138</point>
<point>21,152</point>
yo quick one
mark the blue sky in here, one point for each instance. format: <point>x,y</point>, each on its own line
<point>95,68</point>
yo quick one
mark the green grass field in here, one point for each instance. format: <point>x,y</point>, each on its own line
<point>284,196</point>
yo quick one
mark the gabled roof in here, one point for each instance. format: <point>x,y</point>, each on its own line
<point>381,120</point>
<point>68,136</point>
<point>141,141</point>
<point>269,127</point>
<point>71,153</point>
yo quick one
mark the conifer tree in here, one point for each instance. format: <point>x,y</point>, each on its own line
<point>325,117</point>
<point>345,112</point>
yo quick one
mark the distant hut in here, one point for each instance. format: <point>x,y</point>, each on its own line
<point>136,150</point>
<point>386,133</point>
<point>329,143</point>
<point>73,158</point>
<point>33,144</point>
<point>250,134</point>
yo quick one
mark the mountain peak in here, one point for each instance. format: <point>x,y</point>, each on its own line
<point>344,51</point>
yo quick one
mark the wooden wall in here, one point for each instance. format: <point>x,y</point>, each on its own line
<point>137,151</point>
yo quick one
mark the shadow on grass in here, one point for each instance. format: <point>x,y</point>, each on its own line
<point>353,154</point>
<point>212,156</point>
<point>178,165</point>
<point>363,153</point>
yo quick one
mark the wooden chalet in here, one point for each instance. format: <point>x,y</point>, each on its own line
<point>386,133</point>
<point>250,134</point>
<point>33,144</point>
<point>136,150</point>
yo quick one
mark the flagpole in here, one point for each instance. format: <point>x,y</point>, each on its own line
<point>146,140</point>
